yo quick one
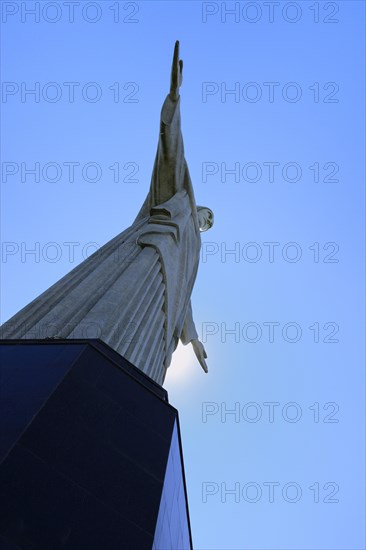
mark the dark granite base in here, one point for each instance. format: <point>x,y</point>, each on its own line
<point>90,452</point>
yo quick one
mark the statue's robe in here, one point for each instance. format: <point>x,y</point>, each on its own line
<point>134,292</point>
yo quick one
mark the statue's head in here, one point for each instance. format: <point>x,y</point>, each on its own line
<point>205,218</point>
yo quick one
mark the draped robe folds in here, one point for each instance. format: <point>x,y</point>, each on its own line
<point>134,292</point>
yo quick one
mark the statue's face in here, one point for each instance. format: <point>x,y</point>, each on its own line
<point>205,218</point>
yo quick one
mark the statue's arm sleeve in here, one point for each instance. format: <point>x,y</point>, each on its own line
<point>170,172</point>
<point>189,331</point>
<point>169,167</point>
<point>171,139</point>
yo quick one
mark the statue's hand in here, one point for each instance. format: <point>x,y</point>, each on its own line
<point>176,74</point>
<point>200,352</point>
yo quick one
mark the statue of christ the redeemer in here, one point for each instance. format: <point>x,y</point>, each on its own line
<point>134,293</point>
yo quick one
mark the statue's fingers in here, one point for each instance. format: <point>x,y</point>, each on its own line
<point>176,53</point>
<point>175,65</point>
<point>181,65</point>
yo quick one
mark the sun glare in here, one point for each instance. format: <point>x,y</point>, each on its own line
<point>182,365</point>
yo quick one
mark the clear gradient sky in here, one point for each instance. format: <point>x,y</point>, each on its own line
<point>280,160</point>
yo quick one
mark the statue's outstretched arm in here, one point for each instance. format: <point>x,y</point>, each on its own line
<point>168,173</point>
<point>171,107</point>
<point>170,168</point>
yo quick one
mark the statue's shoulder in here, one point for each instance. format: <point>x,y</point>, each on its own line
<point>171,208</point>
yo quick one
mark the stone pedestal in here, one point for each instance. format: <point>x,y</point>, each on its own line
<point>90,452</point>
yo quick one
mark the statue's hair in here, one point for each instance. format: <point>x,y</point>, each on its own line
<point>209,209</point>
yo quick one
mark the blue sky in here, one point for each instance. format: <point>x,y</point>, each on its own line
<point>282,314</point>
